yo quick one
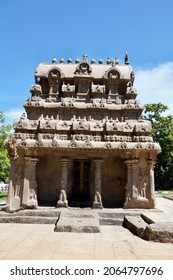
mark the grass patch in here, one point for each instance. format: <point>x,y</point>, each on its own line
<point>3,196</point>
<point>166,193</point>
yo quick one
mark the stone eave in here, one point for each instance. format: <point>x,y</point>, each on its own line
<point>81,105</point>
<point>89,145</point>
<point>97,70</point>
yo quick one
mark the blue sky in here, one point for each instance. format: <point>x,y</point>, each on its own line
<point>37,30</point>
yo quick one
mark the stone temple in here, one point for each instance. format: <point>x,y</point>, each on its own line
<point>83,141</point>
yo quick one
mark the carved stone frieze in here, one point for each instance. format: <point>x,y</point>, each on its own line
<point>96,126</point>
<point>107,146</point>
<point>87,145</point>
<point>142,139</point>
<point>117,138</point>
<point>138,146</point>
<point>123,146</point>
<point>62,125</point>
<point>68,88</point>
<point>39,141</point>
<point>73,144</point>
<point>143,127</point>
<point>128,127</point>
<point>80,125</point>
<point>150,146</point>
<point>114,126</point>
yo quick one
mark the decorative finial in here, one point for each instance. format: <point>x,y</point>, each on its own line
<point>101,61</point>
<point>93,61</point>
<point>69,60</point>
<point>61,60</point>
<point>108,60</point>
<point>85,57</point>
<point>116,61</point>
<point>54,61</point>
<point>126,59</point>
<point>77,61</point>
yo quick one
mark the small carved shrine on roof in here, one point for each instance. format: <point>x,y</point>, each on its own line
<point>83,141</point>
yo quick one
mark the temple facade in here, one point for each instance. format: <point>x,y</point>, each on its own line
<point>82,141</point>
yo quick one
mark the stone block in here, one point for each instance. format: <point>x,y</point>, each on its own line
<point>159,232</point>
<point>135,224</point>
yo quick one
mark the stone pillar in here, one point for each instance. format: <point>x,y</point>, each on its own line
<point>63,202</point>
<point>150,165</point>
<point>135,171</point>
<point>29,199</point>
<point>132,184</point>
<point>128,187</point>
<point>13,201</point>
<point>97,203</point>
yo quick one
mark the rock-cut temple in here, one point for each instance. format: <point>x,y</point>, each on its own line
<point>82,141</point>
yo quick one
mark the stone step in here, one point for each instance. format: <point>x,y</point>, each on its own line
<point>28,219</point>
<point>115,219</point>
<point>34,212</point>
<point>111,222</point>
<point>77,222</point>
<point>38,216</point>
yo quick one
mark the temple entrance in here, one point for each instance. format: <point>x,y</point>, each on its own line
<point>81,183</point>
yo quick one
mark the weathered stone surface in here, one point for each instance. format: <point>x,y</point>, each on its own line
<point>83,228</point>
<point>135,224</point>
<point>30,216</point>
<point>111,222</point>
<point>77,222</point>
<point>159,232</point>
<point>28,219</point>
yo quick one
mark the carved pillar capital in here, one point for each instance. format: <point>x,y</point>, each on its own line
<point>65,161</point>
<point>98,162</point>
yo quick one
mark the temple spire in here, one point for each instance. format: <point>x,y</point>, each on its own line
<point>126,59</point>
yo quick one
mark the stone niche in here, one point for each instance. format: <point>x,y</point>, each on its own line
<point>82,141</point>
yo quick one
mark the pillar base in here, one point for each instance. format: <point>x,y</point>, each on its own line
<point>140,203</point>
<point>31,204</point>
<point>13,206</point>
<point>61,203</point>
<point>97,205</point>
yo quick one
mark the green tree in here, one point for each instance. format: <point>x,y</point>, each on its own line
<point>4,160</point>
<point>162,132</point>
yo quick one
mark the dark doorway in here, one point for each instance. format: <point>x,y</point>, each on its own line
<point>81,183</point>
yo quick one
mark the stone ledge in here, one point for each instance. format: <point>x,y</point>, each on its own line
<point>28,219</point>
<point>78,229</point>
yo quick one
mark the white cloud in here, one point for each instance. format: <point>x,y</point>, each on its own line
<point>13,114</point>
<point>155,84</point>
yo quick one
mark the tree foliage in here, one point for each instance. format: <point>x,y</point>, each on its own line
<point>162,132</point>
<point>4,160</point>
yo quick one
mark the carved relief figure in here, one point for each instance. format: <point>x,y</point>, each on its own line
<point>143,183</point>
<point>18,179</point>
